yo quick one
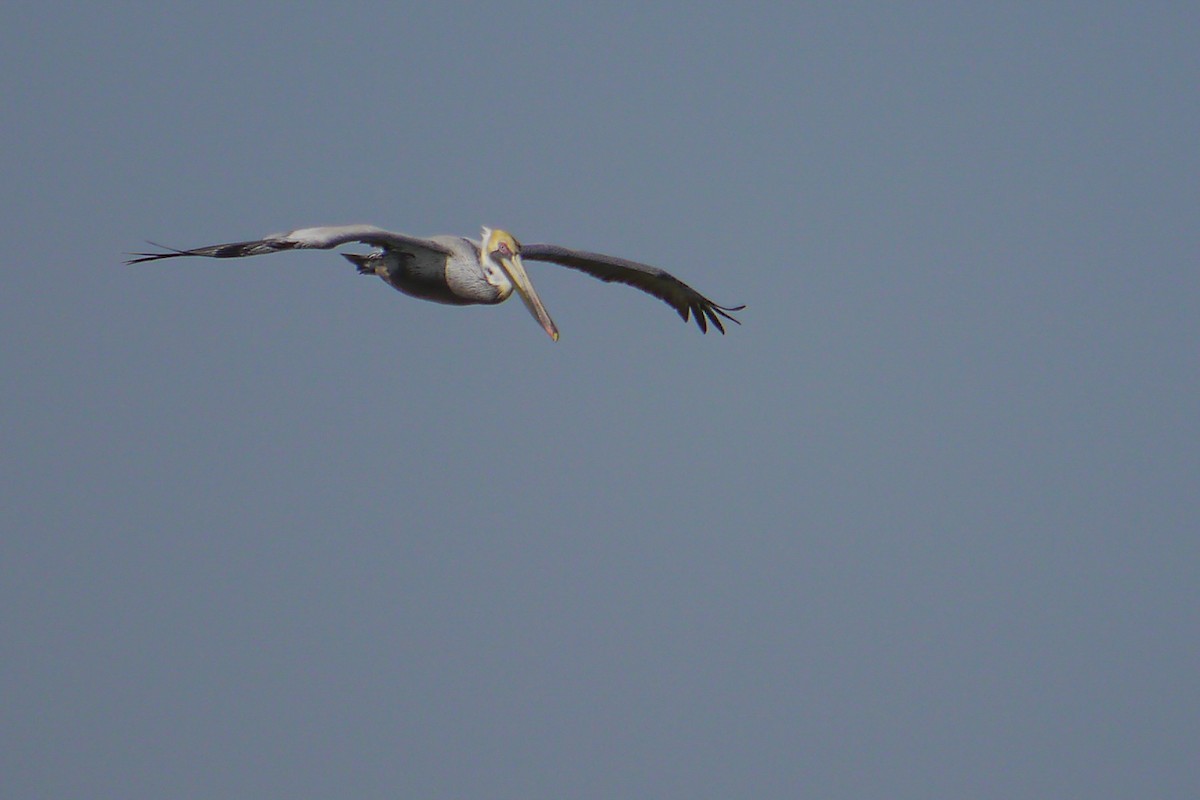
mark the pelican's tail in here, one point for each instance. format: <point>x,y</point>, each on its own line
<point>362,263</point>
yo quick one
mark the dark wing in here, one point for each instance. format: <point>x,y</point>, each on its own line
<point>651,280</point>
<point>302,239</point>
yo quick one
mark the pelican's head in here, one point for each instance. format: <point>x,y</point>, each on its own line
<point>501,249</point>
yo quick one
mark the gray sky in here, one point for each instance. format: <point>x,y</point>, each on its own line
<point>924,526</point>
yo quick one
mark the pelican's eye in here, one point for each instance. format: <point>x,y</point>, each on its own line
<point>503,250</point>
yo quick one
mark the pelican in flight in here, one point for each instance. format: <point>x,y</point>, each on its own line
<point>461,271</point>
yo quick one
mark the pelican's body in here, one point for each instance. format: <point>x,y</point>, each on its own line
<point>452,274</point>
<point>461,271</point>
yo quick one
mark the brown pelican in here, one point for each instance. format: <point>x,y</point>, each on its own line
<point>461,271</point>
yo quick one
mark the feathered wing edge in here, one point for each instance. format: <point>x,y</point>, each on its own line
<point>652,280</point>
<point>231,250</point>
<point>324,238</point>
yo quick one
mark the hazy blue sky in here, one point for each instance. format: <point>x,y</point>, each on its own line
<point>925,526</point>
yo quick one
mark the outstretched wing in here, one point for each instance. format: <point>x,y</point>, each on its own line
<point>651,280</point>
<point>302,239</point>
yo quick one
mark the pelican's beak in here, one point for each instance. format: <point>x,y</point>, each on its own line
<point>516,273</point>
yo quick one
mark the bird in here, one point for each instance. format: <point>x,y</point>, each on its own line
<point>457,270</point>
